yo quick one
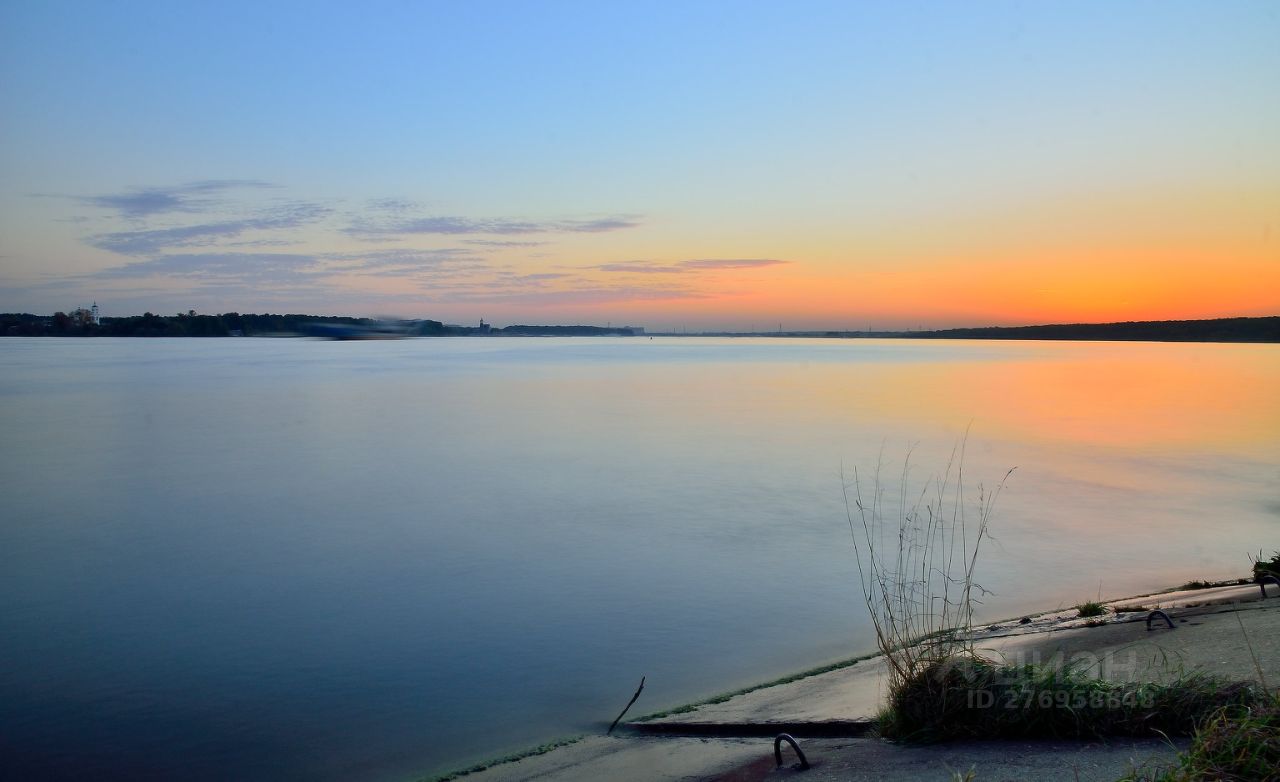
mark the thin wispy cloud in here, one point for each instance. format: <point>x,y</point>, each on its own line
<point>230,248</point>
<point>405,262</point>
<point>431,276</point>
<point>500,226</point>
<point>258,266</point>
<point>582,296</point>
<point>541,277</point>
<point>152,241</point>
<point>502,282</point>
<point>503,243</point>
<point>393,205</point>
<point>683,267</point>
<point>156,240</point>
<point>213,242</point>
<point>191,197</point>
<point>260,243</point>
<point>246,267</point>
<point>597,226</point>
<point>640,267</point>
<point>731,263</point>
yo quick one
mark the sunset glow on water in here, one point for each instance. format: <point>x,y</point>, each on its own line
<point>269,559</point>
<point>250,558</point>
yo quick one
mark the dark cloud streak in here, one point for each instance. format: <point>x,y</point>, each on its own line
<point>502,243</point>
<point>258,267</point>
<point>152,241</point>
<point>731,263</point>
<point>146,201</point>
<point>499,226</point>
<point>639,267</point>
<point>407,263</point>
<point>682,267</point>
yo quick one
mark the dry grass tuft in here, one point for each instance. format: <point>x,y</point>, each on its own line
<point>1234,743</point>
<point>972,698</point>
<point>1090,609</point>
<point>916,555</point>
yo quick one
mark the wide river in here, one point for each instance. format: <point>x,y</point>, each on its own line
<point>261,559</point>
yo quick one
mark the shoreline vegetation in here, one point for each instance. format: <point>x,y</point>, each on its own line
<point>917,549</point>
<point>935,670</point>
<point>921,595</point>
<point>941,687</point>
<point>1245,706</point>
<point>1233,726</point>
<point>848,662</point>
<point>232,324</point>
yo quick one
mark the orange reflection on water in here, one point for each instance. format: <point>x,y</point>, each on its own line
<point>1131,395</point>
<point>1144,396</point>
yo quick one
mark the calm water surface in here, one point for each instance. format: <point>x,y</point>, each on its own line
<point>287,559</point>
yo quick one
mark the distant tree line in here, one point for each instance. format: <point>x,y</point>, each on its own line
<point>187,324</point>
<point>230,324</point>
<point>1264,329</point>
<point>234,324</point>
<point>1217,330</point>
<point>565,331</point>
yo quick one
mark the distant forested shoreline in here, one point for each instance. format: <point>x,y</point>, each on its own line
<point>1262,329</point>
<point>234,324</point>
<point>1265,329</point>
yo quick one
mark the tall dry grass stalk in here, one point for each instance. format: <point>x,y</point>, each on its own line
<point>917,552</point>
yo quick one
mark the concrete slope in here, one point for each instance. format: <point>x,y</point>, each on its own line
<point>1228,632</point>
<point>870,760</point>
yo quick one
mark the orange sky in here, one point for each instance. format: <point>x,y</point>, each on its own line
<point>839,167</point>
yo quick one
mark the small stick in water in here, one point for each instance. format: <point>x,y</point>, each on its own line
<point>629,703</point>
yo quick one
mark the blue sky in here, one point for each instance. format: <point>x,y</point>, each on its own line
<point>704,163</point>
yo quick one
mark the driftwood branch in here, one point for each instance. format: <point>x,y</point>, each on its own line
<point>629,703</point>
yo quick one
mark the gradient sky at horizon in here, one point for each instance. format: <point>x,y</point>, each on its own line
<point>695,165</point>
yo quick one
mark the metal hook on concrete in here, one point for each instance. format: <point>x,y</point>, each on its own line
<point>777,750</point>
<point>1160,614</point>
<point>1262,584</point>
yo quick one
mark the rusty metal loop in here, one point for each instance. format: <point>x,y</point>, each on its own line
<point>777,750</point>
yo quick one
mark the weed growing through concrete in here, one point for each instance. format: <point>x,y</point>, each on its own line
<point>1266,567</point>
<point>916,556</point>
<point>1233,743</point>
<point>1090,609</point>
<point>968,697</point>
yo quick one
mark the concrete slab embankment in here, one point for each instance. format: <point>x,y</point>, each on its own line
<point>1227,632</point>
<point>653,759</point>
<point>630,759</point>
<point>1207,638</point>
<point>871,760</point>
<point>854,693</point>
<point>1228,641</point>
